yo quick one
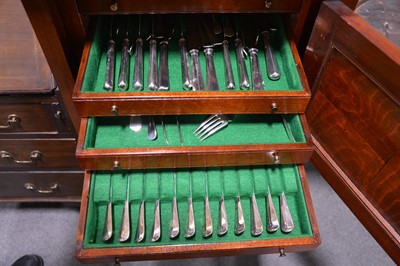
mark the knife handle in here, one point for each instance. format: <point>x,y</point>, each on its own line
<point>197,77</point>
<point>212,82</point>
<point>242,70</point>
<point>273,70</point>
<point>110,66</point>
<point>124,67</point>
<point>185,64</point>
<point>229,80</point>
<point>152,81</point>
<point>163,84</point>
<point>138,68</point>
<point>256,78</point>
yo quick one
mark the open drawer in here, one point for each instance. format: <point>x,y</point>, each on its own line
<point>150,185</point>
<point>107,143</point>
<point>288,94</point>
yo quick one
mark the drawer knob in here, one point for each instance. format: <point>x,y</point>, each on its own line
<point>268,4</point>
<point>13,121</point>
<point>35,155</point>
<point>275,157</point>
<point>274,107</point>
<point>282,252</point>
<point>114,109</point>
<point>114,7</point>
<point>30,186</point>
<point>116,164</point>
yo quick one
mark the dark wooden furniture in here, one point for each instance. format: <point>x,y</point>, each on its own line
<point>341,61</point>
<point>354,118</point>
<point>37,138</point>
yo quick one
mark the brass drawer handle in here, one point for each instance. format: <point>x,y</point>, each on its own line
<point>35,155</point>
<point>30,186</point>
<point>13,121</point>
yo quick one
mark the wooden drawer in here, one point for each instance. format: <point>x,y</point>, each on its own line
<point>289,94</point>
<point>41,186</point>
<point>290,178</point>
<point>88,7</point>
<point>107,142</point>
<point>35,154</point>
<point>33,116</point>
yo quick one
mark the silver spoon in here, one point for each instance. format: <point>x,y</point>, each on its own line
<point>272,218</point>
<point>223,220</point>
<point>240,224</point>
<point>140,229</point>
<point>256,222</point>
<point>208,226</point>
<point>174,224</point>
<point>151,129</point>
<point>125,229</point>
<point>286,218</point>
<point>190,225</point>
<point>156,232</point>
<point>135,123</point>
<point>108,224</point>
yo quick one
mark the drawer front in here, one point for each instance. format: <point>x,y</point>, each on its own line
<point>41,186</point>
<point>22,154</point>
<point>107,143</point>
<point>181,6</point>
<point>31,118</point>
<point>143,186</point>
<point>288,94</point>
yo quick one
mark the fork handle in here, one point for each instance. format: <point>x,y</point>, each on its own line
<point>212,82</point>
<point>229,81</point>
<point>197,77</point>
<point>242,70</point>
<point>184,64</point>
<point>256,78</point>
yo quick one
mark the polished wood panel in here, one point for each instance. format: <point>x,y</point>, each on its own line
<point>55,154</point>
<point>23,67</point>
<point>97,255</point>
<point>88,7</point>
<point>67,186</point>
<point>355,71</point>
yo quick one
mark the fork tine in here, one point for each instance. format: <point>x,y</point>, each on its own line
<point>209,124</point>
<point>209,118</point>
<point>221,125</point>
<point>209,128</point>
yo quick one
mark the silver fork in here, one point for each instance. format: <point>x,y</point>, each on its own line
<point>211,125</point>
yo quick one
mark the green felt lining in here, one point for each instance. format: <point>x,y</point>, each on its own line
<point>114,132</point>
<point>232,181</point>
<point>95,70</point>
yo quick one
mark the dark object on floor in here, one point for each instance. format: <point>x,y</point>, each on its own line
<point>29,260</point>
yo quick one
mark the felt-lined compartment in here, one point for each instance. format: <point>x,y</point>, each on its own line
<point>144,184</point>
<point>94,76</point>
<point>114,132</point>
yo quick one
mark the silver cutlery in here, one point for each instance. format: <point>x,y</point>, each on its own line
<point>135,123</point>
<point>272,218</point>
<point>108,223</point>
<point>286,217</point>
<point>123,79</point>
<point>190,225</point>
<point>240,225</point>
<point>288,129</point>
<point>256,222</point>
<point>164,31</point>
<point>178,125</point>
<point>125,228</point>
<point>207,226</point>
<point>151,129</point>
<point>164,132</point>
<point>152,76</point>
<point>228,32</point>
<point>156,231</point>
<point>244,81</point>
<point>211,125</point>
<point>273,70</point>
<point>184,59</point>
<point>141,226</point>
<point>223,220</point>
<point>110,60</point>
<point>138,68</point>
<point>174,224</point>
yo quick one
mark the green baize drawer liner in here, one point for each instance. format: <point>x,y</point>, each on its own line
<point>114,132</point>
<point>94,77</point>
<point>232,181</point>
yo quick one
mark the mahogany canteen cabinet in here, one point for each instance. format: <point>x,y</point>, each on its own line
<point>267,157</point>
<point>37,138</point>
